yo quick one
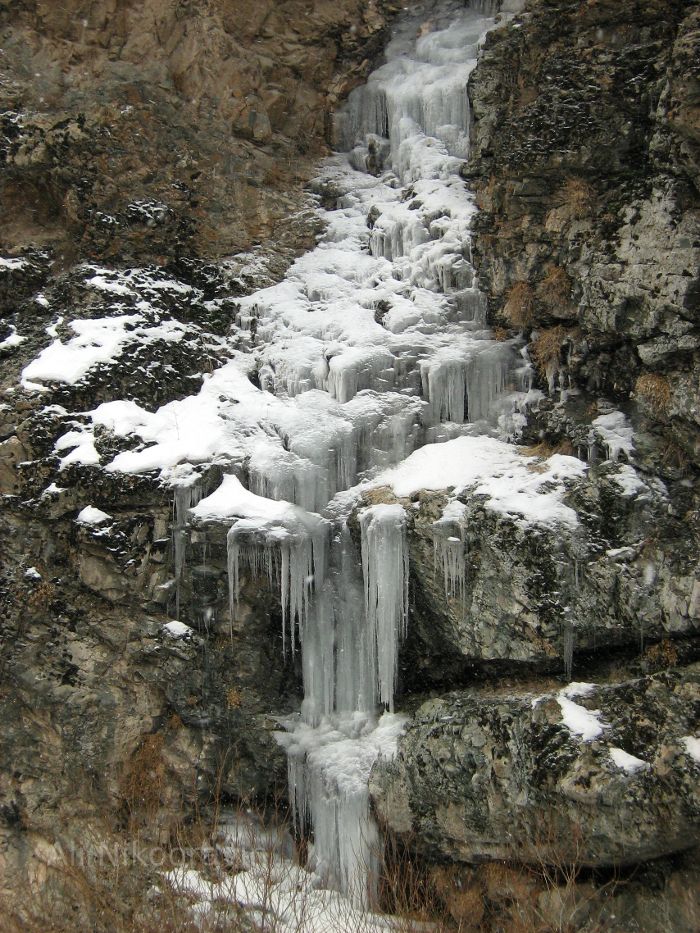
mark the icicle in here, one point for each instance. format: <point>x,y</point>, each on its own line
<point>449,551</point>
<point>569,645</point>
<point>184,498</point>
<point>385,573</point>
<point>295,558</point>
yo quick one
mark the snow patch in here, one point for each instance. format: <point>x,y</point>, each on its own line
<point>628,763</point>
<point>692,746</point>
<point>530,490</point>
<point>12,340</point>
<point>579,720</point>
<point>92,516</point>
<point>615,431</point>
<point>178,629</point>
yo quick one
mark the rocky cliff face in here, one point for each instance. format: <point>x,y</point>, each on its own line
<point>585,160</point>
<point>137,132</point>
<point>146,146</point>
<point>165,134</point>
<point>586,135</point>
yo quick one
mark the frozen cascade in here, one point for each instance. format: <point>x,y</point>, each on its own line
<point>352,627</point>
<point>374,344</point>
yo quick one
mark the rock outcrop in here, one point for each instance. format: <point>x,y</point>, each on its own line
<point>136,132</point>
<point>586,143</point>
<point>595,775</point>
<point>159,136</point>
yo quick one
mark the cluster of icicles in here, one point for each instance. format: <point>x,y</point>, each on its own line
<point>428,372</point>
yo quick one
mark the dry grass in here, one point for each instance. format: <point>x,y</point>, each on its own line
<point>555,289</point>
<point>143,780</point>
<point>655,391</point>
<point>124,894</point>
<point>408,890</point>
<point>519,309</point>
<point>675,458</point>
<point>578,196</point>
<point>661,656</point>
<point>546,349</point>
<point>545,449</point>
<point>234,698</point>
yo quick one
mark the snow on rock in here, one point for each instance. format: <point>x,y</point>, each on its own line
<point>629,481</point>
<point>577,688</point>
<point>628,763</point>
<point>97,340</point>
<point>692,746</point>
<point>31,573</point>
<point>92,516</point>
<point>13,339</point>
<point>579,720</point>
<point>615,431</point>
<point>12,265</point>
<point>177,629</point>
<point>81,444</point>
<point>526,488</point>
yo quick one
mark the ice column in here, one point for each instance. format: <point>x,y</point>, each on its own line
<point>385,573</point>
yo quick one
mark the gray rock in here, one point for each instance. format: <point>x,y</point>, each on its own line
<point>502,776</point>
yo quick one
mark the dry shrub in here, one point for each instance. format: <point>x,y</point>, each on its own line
<point>519,308</point>
<point>660,656</point>
<point>501,334</point>
<point>655,391</point>
<point>175,723</point>
<point>555,289</point>
<point>578,196</point>
<point>675,458</point>
<point>546,349</point>
<point>40,598</point>
<point>511,896</point>
<point>234,698</point>
<point>407,888</point>
<point>100,887</point>
<point>462,895</point>
<point>143,780</point>
<point>546,449</point>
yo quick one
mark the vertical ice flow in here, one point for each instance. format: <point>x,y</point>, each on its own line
<point>373,344</point>
<point>385,573</point>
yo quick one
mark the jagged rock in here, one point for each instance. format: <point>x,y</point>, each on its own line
<point>593,775</point>
<point>586,169</point>
<point>165,128</point>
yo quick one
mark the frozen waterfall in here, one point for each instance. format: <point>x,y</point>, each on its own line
<point>374,344</point>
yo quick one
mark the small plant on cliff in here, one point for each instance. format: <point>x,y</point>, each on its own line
<point>660,656</point>
<point>655,391</point>
<point>546,349</point>
<point>555,289</point>
<point>234,698</point>
<point>519,309</point>
<point>578,196</point>
<point>143,780</point>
